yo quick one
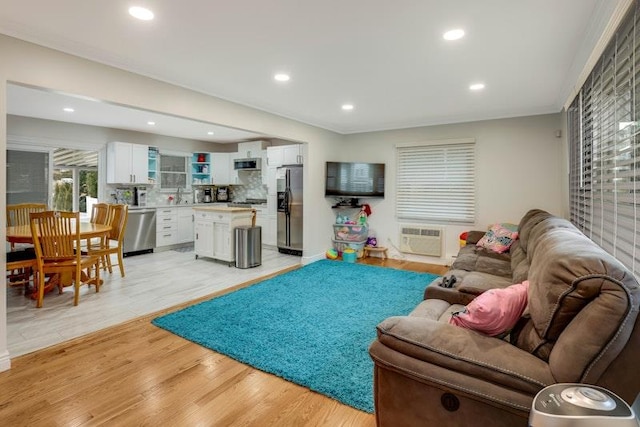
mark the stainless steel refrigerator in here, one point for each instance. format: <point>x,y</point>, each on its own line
<point>289,187</point>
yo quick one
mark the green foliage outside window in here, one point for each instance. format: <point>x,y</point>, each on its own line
<point>63,196</point>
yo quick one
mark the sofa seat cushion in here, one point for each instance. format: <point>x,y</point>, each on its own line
<point>474,258</point>
<point>465,352</point>
<point>467,286</point>
<point>436,309</point>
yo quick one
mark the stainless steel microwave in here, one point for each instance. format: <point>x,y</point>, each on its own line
<point>247,164</point>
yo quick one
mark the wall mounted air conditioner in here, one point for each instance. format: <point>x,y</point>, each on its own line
<point>421,240</point>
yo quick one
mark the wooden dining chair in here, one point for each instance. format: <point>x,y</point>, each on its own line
<point>20,266</point>
<point>114,241</point>
<point>18,214</point>
<point>56,238</point>
<point>99,215</point>
<point>20,272</point>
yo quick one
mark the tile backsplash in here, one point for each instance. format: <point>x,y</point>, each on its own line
<point>251,187</point>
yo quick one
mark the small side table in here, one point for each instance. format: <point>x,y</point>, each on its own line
<point>368,250</point>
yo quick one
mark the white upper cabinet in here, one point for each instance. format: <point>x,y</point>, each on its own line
<point>285,155</point>
<point>233,173</point>
<point>251,149</point>
<point>292,154</point>
<point>275,156</point>
<point>220,163</point>
<point>127,163</point>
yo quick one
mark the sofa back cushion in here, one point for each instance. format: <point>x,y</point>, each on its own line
<point>582,302</point>
<point>542,229</point>
<point>532,225</point>
<point>519,262</point>
<point>528,221</point>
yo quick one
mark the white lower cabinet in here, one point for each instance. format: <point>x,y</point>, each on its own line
<point>166,226</point>
<point>215,231</point>
<point>268,224</point>
<point>270,233</point>
<point>174,225</point>
<point>185,225</point>
<point>223,242</point>
<point>203,244</point>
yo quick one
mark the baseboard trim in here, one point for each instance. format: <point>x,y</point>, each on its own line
<point>309,259</point>
<point>5,362</point>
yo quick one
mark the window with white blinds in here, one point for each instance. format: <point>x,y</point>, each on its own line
<point>27,177</point>
<point>436,181</point>
<point>604,147</point>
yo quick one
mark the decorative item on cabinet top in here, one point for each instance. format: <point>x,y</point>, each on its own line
<point>201,168</point>
<point>153,164</point>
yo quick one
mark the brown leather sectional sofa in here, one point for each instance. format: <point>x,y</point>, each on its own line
<point>581,325</point>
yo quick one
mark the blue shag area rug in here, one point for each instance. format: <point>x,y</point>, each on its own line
<point>312,326</point>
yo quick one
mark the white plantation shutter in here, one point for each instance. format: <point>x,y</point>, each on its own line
<point>436,181</point>
<point>604,147</point>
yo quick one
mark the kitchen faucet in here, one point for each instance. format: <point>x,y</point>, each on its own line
<point>178,196</point>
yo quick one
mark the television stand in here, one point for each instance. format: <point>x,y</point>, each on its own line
<point>347,203</point>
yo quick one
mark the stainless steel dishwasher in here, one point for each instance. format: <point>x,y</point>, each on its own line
<point>140,234</point>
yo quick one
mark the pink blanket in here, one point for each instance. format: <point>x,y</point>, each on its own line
<point>495,311</point>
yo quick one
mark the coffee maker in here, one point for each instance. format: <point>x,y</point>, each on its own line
<point>208,195</point>
<point>222,194</point>
<point>141,196</point>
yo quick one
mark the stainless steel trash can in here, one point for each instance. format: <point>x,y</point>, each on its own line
<point>248,246</point>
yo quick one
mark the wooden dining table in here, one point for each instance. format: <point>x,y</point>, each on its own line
<point>88,230</point>
<point>22,234</point>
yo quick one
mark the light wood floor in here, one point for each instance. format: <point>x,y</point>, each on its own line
<point>137,374</point>
<point>153,282</point>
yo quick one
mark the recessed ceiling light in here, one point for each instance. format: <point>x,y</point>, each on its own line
<point>150,123</point>
<point>141,13</point>
<point>347,107</point>
<point>209,133</point>
<point>453,34</point>
<point>281,77</point>
<point>68,109</point>
<point>477,86</point>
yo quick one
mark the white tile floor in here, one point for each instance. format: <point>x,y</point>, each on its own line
<point>152,282</point>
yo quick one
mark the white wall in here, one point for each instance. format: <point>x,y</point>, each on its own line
<point>5,362</point>
<point>518,167</point>
<point>29,64</point>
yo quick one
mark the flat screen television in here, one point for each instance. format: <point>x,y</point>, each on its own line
<point>354,180</point>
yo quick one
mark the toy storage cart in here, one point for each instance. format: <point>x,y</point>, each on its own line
<point>350,232</point>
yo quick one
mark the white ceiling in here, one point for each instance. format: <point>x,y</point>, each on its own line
<point>30,102</point>
<point>387,58</point>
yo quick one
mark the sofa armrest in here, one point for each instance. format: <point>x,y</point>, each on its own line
<point>466,352</point>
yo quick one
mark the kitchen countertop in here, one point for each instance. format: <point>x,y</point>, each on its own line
<point>197,205</point>
<point>221,208</point>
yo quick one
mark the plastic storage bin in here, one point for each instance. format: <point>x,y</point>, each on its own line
<point>463,239</point>
<point>341,245</point>
<point>350,232</point>
<point>349,255</point>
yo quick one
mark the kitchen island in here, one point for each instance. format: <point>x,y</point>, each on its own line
<point>215,230</point>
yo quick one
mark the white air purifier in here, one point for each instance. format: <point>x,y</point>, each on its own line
<point>580,405</point>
